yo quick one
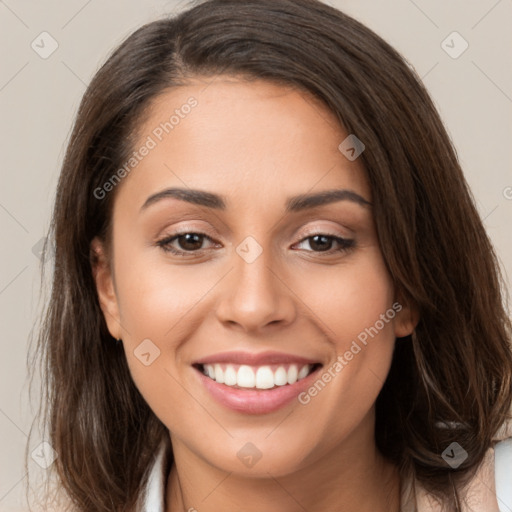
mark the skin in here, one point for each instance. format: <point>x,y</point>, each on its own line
<point>256,144</point>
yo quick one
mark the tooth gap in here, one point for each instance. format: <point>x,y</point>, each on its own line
<point>201,368</point>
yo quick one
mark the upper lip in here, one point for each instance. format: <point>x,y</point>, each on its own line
<point>255,359</point>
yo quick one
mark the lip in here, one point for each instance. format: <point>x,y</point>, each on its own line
<point>255,401</point>
<point>259,359</point>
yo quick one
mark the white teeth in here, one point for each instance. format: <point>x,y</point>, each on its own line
<point>292,374</point>
<point>245,377</point>
<point>262,377</point>
<point>303,372</point>
<point>229,376</point>
<point>280,377</point>
<point>219,374</point>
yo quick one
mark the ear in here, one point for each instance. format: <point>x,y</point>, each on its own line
<point>105,287</point>
<point>406,319</point>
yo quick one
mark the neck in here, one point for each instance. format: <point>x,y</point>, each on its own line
<point>346,479</point>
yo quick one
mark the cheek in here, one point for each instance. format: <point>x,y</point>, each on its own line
<point>348,299</point>
<point>353,305</point>
<point>155,299</point>
<point>156,307</point>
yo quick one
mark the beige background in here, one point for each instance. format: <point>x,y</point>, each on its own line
<point>39,97</point>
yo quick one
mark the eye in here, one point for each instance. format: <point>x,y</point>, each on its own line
<point>191,242</point>
<point>188,242</point>
<point>322,242</point>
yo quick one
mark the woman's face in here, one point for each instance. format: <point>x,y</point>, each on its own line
<point>264,272</point>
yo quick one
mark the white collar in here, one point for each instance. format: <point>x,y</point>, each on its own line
<point>153,497</point>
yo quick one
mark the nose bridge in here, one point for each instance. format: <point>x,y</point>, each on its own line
<point>255,296</point>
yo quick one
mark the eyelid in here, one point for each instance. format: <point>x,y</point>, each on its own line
<point>311,231</point>
<point>169,231</point>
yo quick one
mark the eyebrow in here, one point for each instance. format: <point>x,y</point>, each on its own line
<point>293,204</point>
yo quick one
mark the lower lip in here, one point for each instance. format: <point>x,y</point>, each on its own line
<point>252,400</point>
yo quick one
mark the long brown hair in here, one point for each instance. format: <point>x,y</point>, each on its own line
<point>455,368</point>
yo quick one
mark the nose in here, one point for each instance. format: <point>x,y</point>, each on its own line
<point>255,295</point>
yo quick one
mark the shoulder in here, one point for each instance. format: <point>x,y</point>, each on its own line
<point>490,490</point>
<point>503,466</point>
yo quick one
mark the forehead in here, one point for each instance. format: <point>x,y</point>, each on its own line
<point>249,140</point>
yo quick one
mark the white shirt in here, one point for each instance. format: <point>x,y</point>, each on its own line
<point>153,497</point>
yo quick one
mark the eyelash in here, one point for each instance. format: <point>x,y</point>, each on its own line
<point>345,243</point>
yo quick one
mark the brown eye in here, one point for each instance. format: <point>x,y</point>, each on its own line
<point>323,243</point>
<point>188,242</point>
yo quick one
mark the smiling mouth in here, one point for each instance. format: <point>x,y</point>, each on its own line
<point>264,377</point>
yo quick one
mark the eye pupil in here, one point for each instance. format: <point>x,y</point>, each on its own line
<point>192,239</point>
<point>325,240</point>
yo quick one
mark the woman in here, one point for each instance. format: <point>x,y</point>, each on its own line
<point>272,289</point>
